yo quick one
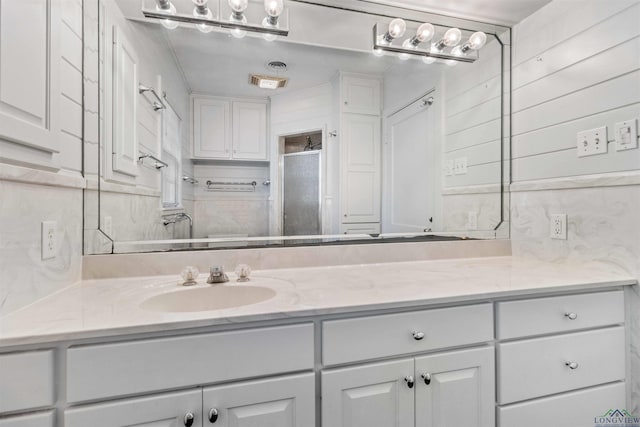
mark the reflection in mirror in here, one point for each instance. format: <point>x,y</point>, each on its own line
<point>357,128</point>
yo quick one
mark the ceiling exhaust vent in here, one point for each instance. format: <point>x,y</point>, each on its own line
<point>267,82</point>
<point>277,66</point>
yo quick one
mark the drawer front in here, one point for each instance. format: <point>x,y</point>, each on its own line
<point>44,419</point>
<point>350,340</point>
<point>537,367</point>
<point>559,314</point>
<point>578,408</point>
<point>100,371</point>
<point>26,380</point>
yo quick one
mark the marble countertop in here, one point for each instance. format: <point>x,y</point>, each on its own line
<point>110,307</point>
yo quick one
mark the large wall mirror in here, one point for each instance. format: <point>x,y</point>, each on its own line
<point>212,126</point>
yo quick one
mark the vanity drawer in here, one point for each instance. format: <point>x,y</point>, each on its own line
<point>351,340</point>
<point>26,380</point>
<point>96,372</point>
<point>537,367</point>
<point>570,409</point>
<point>556,314</point>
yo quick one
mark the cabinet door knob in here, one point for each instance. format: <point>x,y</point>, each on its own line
<point>188,419</point>
<point>409,381</point>
<point>572,365</point>
<point>213,415</point>
<point>417,335</point>
<point>426,377</point>
<point>571,316</point>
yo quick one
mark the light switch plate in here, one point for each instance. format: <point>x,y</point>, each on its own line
<point>626,134</point>
<point>460,166</point>
<point>49,243</point>
<point>591,142</point>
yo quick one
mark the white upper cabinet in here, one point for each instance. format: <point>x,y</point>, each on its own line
<point>361,95</point>
<point>229,129</point>
<point>125,100</point>
<point>211,128</point>
<point>29,75</point>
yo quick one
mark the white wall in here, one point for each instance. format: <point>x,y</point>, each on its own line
<point>576,67</point>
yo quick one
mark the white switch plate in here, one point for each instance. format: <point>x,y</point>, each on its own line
<point>558,226</point>
<point>472,220</point>
<point>460,166</point>
<point>49,243</point>
<point>448,168</point>
<point>591,142</point>
<point>626,135</point>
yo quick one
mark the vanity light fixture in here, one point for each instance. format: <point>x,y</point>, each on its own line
<point>201,10</point>
<point>205,17</point>
<point>447,49</point>
<point>167,8</point>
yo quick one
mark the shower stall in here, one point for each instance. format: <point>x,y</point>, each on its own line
<point>302,207</point>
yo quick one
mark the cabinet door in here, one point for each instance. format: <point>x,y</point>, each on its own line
<point>211,128</point>
<point>457,389</point>
<point>361,95</point>
<point>279,402</point>
<point>249,131</point>
<point>360,168</point>
<point>166,410</point>
<point>373,395</point>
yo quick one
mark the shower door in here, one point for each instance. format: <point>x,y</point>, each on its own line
<point>301,193</point>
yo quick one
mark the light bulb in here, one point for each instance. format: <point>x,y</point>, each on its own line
<point>378,52</point>
<point>397,27</point>
<point>267,23</point>
<point>428,59</point>
<point>425,33</point>
<point>274,7</point>
<point>171,10</point>
<point>238,32</point>
<point>476,41</point>
<point>238,6</point>
<point>452,37</point>
<point>201,6</point>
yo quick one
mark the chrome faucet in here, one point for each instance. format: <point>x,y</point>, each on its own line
<point>217,275</point>
<point>177,217</point>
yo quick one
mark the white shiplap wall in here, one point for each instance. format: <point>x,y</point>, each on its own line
<point>576,67</point>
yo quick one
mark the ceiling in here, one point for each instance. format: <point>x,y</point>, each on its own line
<point>502,12</point>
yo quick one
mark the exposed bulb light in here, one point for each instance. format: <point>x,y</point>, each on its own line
<point>378,52</point>
<point>274,9</point>
<point>476,41</point>
<point>202,11</point>
<point>424,33</point>
<point>428,59</point>
<point>451,38</point>
<point>396,29</point>
<point>456,51</point>
<point>238,7</point>
<point>165,6</point>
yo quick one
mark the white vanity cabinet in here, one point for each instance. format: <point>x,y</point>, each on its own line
<point>229,129</point>
<point>431,390</point>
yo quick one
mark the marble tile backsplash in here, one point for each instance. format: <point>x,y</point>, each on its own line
<point>24,276</point>
<point>603,228</point>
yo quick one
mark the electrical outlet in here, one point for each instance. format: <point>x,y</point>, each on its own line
<point>472,220</point>
<point>108,226</point>
<point>49,243</point>
<point>626,135</point>
<point>558,226</point>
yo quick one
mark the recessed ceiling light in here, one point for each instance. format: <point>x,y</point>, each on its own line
<point>267,82</point>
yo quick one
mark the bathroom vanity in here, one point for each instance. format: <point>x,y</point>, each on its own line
<point>482,342</point>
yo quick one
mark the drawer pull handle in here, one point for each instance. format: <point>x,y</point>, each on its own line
<point>409,381</point>
<point>417,335</point>
<point>213,415</point>
<point>427,378</point>
<point>572,365</point>
<point>571,316</point>
<point>188,419</point>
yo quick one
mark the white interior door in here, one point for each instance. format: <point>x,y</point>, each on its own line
<point>411,170</point>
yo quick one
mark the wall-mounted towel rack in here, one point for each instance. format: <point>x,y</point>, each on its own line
<point>158,104</point>
<point>159,164</point>
<point>189,179</point>
<point>231,186</point>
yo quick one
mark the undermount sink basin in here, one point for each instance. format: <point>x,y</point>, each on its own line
<point>208,298</point>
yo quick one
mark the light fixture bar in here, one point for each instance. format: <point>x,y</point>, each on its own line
<point>189,19</point>
<point>417,51</point>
